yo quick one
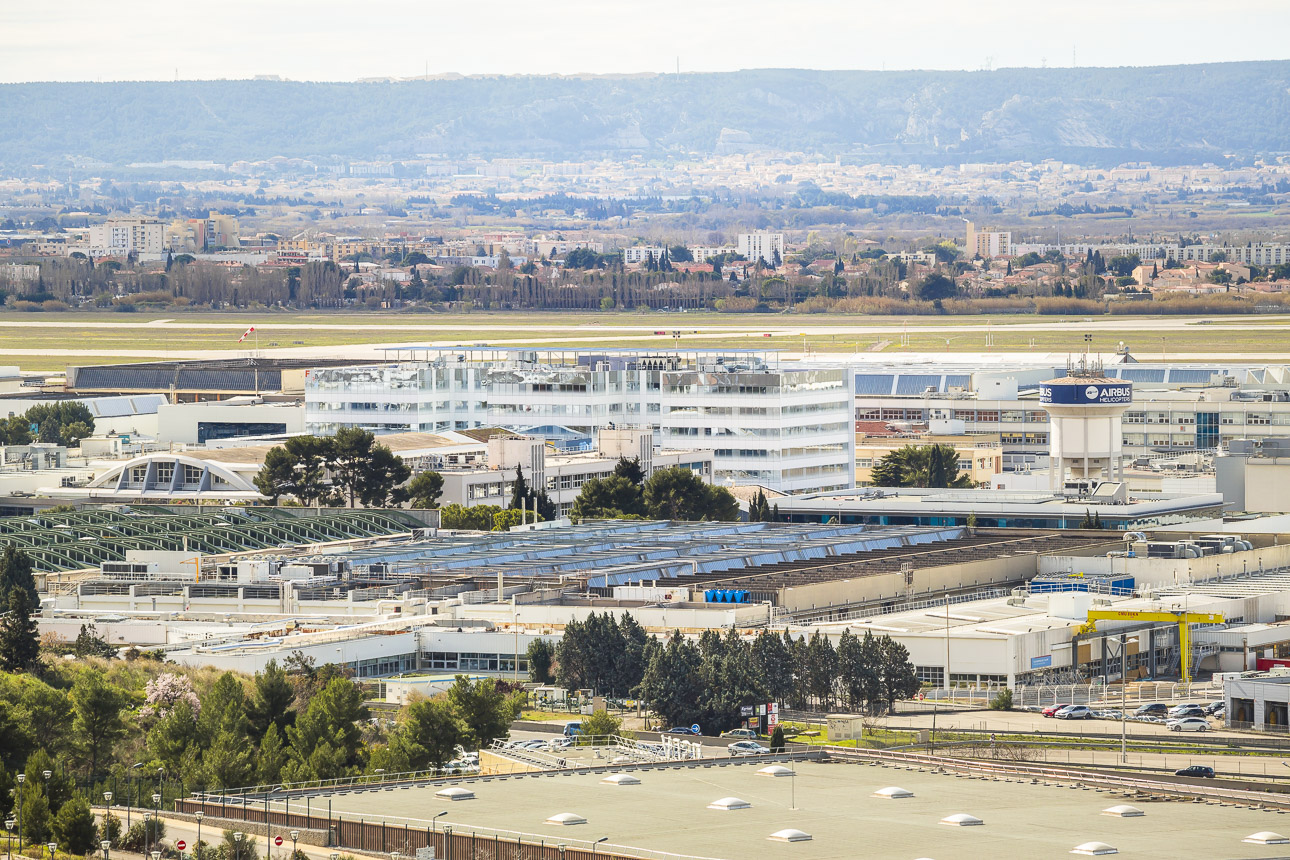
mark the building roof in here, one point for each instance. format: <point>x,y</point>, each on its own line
<point>832,802</point>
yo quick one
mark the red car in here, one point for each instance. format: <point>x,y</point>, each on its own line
<point>1052,709</point>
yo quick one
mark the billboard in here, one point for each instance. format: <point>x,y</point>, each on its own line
<point>1088,393</point>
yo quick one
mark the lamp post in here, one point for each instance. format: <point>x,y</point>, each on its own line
<point>8,826</point>
<point>22,777</point>
<point>1124,696</point>
<point>106,845</point>
<point>52,846</point>
<point>156,817</point>
<point>597,842</point>
<point>197,846</point>
<point>433,820</point>
<point>295,834</point>
<point>107,811</point>
<point>237,844</point>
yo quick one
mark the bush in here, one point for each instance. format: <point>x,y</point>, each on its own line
<point>777,739</point>
<point>1003,701</point>
<point>143,834</point>
<point>74,827</point>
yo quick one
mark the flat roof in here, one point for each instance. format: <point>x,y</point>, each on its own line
<point>668,811</point>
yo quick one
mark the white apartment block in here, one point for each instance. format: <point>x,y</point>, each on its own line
<point>761,246</point>
<point>121,236</point>
<point>1252,254</point>
<point>642,254</point>
<point>987,243</point>
<point>789,430</point>
<point>702,254</point>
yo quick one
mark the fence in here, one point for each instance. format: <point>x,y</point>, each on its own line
<point>1100,694</point>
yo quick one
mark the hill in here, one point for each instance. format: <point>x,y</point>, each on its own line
<point>1172,114</point>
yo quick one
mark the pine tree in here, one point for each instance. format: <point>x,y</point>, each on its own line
<point>19,637</point>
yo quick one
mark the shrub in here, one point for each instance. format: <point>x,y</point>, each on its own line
<point>1003,701</point>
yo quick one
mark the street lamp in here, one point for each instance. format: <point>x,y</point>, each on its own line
<point>597,842</point>
<point>1124,696</point>
<point>197,846</point>
<point>237,843</point>
<point>156,855</point>
<point>22,777</point>
<point>295,834</point>
<point>156,818</point>
<point>52,846</point>
<point>433,820</point>
<point>107,812</point>
<point>8,826</point>
<point>106,845</point>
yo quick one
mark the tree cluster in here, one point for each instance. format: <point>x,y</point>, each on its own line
<point>934,466</point>
<point>709,681</point>
<point>761,511</point>
<point>348,468</point>
<point>676,493</point>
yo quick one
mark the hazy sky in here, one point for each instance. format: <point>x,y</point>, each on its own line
<point>334,40</point>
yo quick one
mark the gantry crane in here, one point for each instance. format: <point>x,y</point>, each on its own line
<point>1184,620</point>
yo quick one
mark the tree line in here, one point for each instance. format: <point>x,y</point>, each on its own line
<point>708,680</point>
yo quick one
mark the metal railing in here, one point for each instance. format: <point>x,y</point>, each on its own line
<point>1030,696</point>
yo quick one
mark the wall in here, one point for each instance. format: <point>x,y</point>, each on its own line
<point>1168,571</point>
<point>993,571</point>
<point>687,617</point>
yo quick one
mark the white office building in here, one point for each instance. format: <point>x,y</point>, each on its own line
<point>121,236</point>
<point>788,430</point>
<point>761,246</point>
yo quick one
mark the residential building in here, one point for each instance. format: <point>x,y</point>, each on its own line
<point>120,236</point>
<point>643,254</point>
<point>789,430</point>
<point>980,457</point>
<point>987,243</point>
<point>767,247</point>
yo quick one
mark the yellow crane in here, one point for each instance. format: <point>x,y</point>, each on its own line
<point>1184,620</point>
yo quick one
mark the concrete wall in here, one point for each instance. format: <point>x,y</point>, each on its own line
<point>656,618</point>
<point>993,571</point>
<point>1168,571</point>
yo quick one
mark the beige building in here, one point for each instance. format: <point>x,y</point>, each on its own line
<point>121,236</point>
<point>981,457</point>
<point>987,243</point>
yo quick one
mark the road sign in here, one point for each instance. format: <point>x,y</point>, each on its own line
<point>181,845</point>
<point>695,728</point>
<point>277,840</point>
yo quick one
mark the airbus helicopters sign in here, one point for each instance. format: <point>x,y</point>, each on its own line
<point>1093,394</point>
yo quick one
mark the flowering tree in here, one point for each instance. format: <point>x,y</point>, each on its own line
<point>165,691</point>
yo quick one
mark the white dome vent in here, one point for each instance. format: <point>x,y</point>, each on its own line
<point>566,818</point>
<point>774,770</point>
<point>1266,837</point>
<point>729,803</point>
<point>1124,811</point>
<point>961,819</point>
<point>893,792</point>
<point>455,793</point>
<point>621,779</point>
<point>1094,849</point>
<point>789,835</point>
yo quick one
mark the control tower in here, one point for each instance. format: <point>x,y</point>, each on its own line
<point>1085,440</point>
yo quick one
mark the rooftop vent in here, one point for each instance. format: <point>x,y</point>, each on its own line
<point>621,779</point>
<point>729,803</point>
<point>961,819</point>
<point>1094,849</point>
<point>892,792</point>
<point>455,793</point>
<point>789,835</point>
<point>564,818</point>
<point>1266,837</point>
<point>1124,811</point>
<point>774,770</point>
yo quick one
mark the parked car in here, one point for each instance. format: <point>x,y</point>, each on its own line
<point>1198,770</point>
<point>1214,707</point>
<point>1075,712</point>
<point>746,734</point>
<point>680,730</point>
<point>559,743</point>
<point>1182,710</point>
<point>572,728</point>
<point>740,748</point>
<point>1188,724</point>
<point>1187,712</point>
<point>1052,709</point>
<point>1155,709</point>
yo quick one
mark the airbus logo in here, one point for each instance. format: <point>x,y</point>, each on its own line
<point>1091,392</point>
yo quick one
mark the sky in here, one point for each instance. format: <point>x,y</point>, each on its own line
<point>105,40</point>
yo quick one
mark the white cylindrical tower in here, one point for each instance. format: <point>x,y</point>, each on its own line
<point>1086,437</point>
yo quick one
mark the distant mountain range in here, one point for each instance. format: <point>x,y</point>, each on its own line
<point>1172,114</point>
